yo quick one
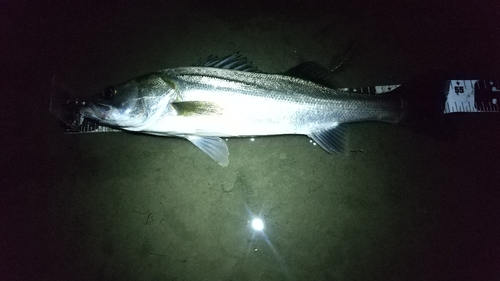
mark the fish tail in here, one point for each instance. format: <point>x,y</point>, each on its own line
<point>424,99</point>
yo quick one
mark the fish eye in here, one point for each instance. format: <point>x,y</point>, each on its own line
<point>108,93</point>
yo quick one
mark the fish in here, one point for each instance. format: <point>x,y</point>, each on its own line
<point>225,97</point>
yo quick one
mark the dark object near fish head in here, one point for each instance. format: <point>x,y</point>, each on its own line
<point>64,104</point>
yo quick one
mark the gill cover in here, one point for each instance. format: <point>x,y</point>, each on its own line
<point>129,105</point>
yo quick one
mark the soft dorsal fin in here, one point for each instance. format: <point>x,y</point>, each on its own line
<point>313,72</point>
<point>234,61</point>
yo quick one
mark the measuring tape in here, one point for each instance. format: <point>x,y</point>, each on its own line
<point>461,95</point>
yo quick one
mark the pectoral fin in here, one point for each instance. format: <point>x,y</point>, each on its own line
<point>332,140</point>
<point>190,108</point>
<point>215,147</point>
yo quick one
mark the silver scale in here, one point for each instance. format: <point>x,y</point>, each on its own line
<point>462,96</point>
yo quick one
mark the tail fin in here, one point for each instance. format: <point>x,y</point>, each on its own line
<point>424,99</point>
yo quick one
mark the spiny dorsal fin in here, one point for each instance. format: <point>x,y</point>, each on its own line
<point>234,61</point>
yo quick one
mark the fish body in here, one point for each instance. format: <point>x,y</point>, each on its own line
<point>203,104</point>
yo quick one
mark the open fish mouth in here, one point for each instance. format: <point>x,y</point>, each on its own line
<point>100,107</point>
<point>97,111</point>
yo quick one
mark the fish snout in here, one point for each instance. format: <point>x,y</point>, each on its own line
<point>95,110</point>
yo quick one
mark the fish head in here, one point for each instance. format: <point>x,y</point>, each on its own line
<point>127,105</point>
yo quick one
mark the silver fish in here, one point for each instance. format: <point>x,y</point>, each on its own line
<point>203,104</point>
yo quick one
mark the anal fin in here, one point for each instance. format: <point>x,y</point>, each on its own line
<point>332,139</point>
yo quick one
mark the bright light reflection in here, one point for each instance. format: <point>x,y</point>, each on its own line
<point>257,224</point>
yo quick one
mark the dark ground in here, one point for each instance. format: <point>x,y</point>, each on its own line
<point>132,207</point>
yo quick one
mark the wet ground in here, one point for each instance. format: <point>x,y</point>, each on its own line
<point>116,206</point>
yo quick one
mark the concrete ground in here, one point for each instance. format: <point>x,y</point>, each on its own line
<point>117,206</point>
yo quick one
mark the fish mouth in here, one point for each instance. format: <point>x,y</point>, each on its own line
<point>101,107</point>
<point>97,111</point>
